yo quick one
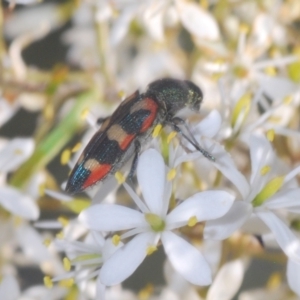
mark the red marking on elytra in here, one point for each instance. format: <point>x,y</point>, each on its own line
<point>126,141</point>
<point>152,106</point>
<point>97,174</point>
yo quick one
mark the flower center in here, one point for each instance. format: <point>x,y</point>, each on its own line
<point>156,222</point>
<point>268,191</point>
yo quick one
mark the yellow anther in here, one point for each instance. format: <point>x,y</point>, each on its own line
<point>274,281</point>
<point>192,221</point>
<point>244,28</point>
<point>271,135</point>
<point>48,282</point>
<point>48,112</point>
<point>65,156</point>
<point>156,130</point>
<point>146,292</point>
<point>85,113</point>
<point>121,94</point>
<point>171,136</point>
<point>268,191</point>
<point>42,188</point>
<point>76,147</point>
<point>287,100</point>
<point>67,264</point>
<point>204,4</point>
<point>171,174</point>
<point>264,170</point>
<point>60,235</point>
<point>242,107</point>
<point>271,71</point>
<point>151,249</point>
<point>119,177</point>
<point>66,283</point>
<point>63,220</point>
<point>47,242</point>
<point>116,239</point>
<point>17,221</point>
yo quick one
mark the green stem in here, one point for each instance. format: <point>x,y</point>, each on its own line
<point>52,144</point>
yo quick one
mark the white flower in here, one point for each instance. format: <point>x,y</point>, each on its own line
<point>87,257</point>
<point>154,223</point>
<point>206,133</point>
<point>262,202</point>
<point>12,155</point>
<point>293,276</point>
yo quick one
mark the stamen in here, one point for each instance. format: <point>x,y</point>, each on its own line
<point>287,100</point>
<point>66,283</point>
<point>63,220</point>
<point>146,292</point>
<point>271,135</point>
<point>76,147</point>
<point>192,221</point>
<point>171,136</point>
<point>264,170</point>
<point>156,130</point>
<point>47,242</point>
<point>274,281</point>
<point>171,174</point>
<point>65,157</point>
<point>116,239</point>
<point>48,282</point>
<point>271,71</point>
<point>60,235</point>
<point>85,113</point>
<point>241,109</point>
<point>119,177</point>
<point>42,188</point>
<point>268,191</point>
<point>151,249</point>
<point>67,264</point>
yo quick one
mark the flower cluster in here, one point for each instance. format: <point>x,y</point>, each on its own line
<point>200,223</point>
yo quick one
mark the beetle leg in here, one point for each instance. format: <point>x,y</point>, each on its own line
<point>174,124</point>
<point>101,120</point>
<point>135,160</point>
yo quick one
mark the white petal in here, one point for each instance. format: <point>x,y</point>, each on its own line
<point>223,227</point>
<point>283,235</point>
<point>204,206</point>
<point>15,153</point>
<point>293,276</point>
<point>9,288</point>
<point>151,178</point>
<point>227,167</point>
<point>120,27</point>
<point>186,259</point>
<point>110,248</point>
<point>197,21</point>
<point>153,19</point>
<point>227,281</point>
<point>32,244</point>
<point>100,289</point>
<point>209,126</point>
<point>277,87</point>
<point>126,259</point>
<point>261,154</point>
<point>59,195</point>
<point>284,199</point>
<point>18,203</point>
<point>107,217</point>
